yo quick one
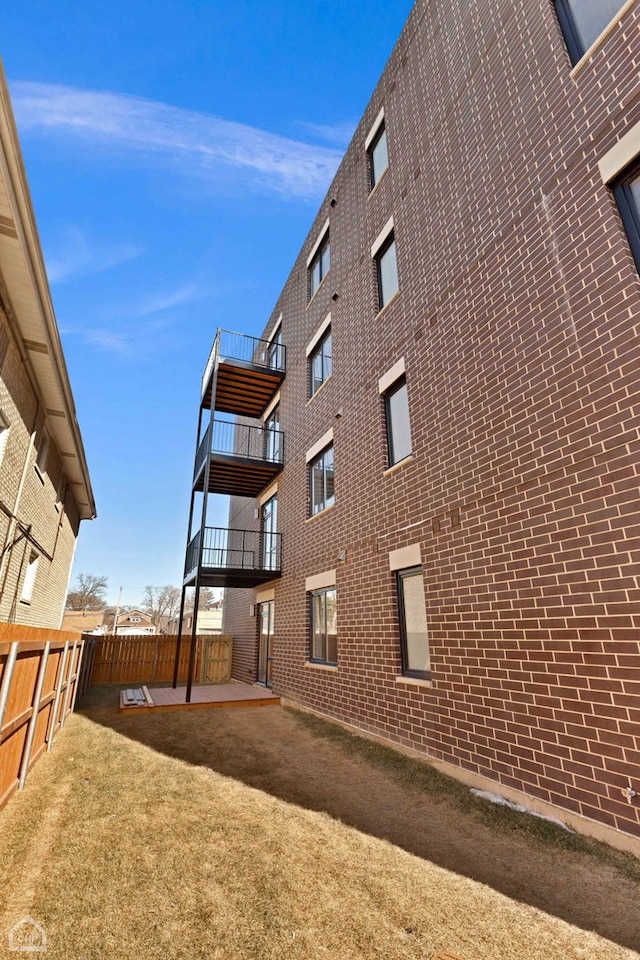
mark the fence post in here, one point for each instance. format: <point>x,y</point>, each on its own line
<point>56,703</point>
<point>6,680</point>
<point>67,692</point>
<point>116,649</point>
<point>28,746</point>
<point>77,683</point>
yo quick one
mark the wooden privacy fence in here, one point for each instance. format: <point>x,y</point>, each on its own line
<point>39,682</point>
<point>145,659</point>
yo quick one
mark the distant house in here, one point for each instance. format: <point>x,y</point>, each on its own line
<point>209,621</point>
<point>45,490</point>
<point>86,621</point>
<point>134,622</point>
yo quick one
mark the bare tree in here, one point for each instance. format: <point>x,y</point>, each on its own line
<point>88,594</point>
<point>161,603</point>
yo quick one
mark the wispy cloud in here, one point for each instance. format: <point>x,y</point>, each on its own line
<point>76,255</point>
<point>108,341</point>
<point>137,330</point>
<point>195,142</point>
<point>338,134</point>
<point>161,302</point>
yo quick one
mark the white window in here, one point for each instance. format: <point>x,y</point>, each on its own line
<point>414,635</point>
<point>4,435</point>
<point>378,156</point>
<point>43,450</point>
<point>396,405</point>
<point>387,272</point>
<point>29,579</point>
<point>319,261</point>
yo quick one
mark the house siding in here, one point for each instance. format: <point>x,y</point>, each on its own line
<point>517,319</point>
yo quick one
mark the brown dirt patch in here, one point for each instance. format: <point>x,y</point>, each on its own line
<point>274,750</point>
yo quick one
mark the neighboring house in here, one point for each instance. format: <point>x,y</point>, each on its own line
<point>134,622</point>
<point>45,490</point>
<point>433,531</point>
<point>209,621</point>
<point>86,621</point>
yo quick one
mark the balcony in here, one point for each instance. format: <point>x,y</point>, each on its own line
<point>244,459</point>
<point>233,558</point>
<point>249,374</point>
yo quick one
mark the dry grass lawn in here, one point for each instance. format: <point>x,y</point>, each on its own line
<point>257,833</point>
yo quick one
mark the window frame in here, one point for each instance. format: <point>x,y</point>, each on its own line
<point>320,456</point>
<point>319,351</point>
<point>391,391</point>
<point>401,576</point>
<point>275,349</point>
<point>322,592</point>
<point>269,533</point>
<point>4,435</point>
<point>381,131</point>
<point>42,453</point>
<point>628,207</point>
<point>571,30</point>
<point>324,247</point>
<point>384,248</point>
<point>273,438</point>
<point>29,582</point>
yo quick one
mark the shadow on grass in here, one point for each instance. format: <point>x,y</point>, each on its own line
<point>315,764</point>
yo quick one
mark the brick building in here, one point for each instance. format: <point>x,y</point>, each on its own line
<point>458,496</point>
<point>45,490</point>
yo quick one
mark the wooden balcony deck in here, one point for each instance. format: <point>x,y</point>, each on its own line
<point>202,697</point>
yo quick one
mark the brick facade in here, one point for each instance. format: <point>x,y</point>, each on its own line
<point>517,319</point>
<point>44,484</point>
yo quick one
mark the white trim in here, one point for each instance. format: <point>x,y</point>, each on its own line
<point>390,377</point>
<point>405,557</point>
<point>264,596</point>
<point>373,131</point>
<point>319,445</point>
<point>315,339</point>
<point>620,155</point>
<point>586,56</point>
<point>415,682</point>
<point>396,466</point>
<point>274,403</point>
<point>320,580</point>
<point>382,236</point>
<point>268,493</point>
<point>318,243</point>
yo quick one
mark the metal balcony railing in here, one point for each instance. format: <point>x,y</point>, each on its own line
<point>228,549</point>
<point>260,443</point>
<point>238,346</point>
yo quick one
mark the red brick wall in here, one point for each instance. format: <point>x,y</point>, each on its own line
<point>518,320</point>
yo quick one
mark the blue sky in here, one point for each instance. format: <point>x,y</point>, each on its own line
<point>177,152</point>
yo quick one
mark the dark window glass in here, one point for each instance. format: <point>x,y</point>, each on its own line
<point>322,481</point>
<point>275,351</point>
<point>398,427</point>
<point>387,268</point>
<point>269,534</point>
<point>627,194</point>
<point>324,626</point>
<point>378,156</point>
<point>319,266</point>
<point>413,623</point>
<point>320,362</point>
<point>273,436</point>
<point>583,21</point>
